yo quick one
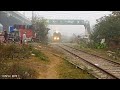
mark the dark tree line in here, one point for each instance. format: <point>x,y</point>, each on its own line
<point>107,27</point>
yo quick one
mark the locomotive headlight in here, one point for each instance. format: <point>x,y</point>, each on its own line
<point>57,38</point>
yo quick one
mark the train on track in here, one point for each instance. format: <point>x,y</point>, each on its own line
<point>56,38</point>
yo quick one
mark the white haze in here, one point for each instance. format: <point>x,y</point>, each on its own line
<point>68,30</point>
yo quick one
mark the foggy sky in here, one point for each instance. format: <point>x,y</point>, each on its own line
<point>91,16</point>
<point>85,15</point>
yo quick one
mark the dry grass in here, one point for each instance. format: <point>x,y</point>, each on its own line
<point>13,51</point>
<point>17,60</point>
<point>16,68</point>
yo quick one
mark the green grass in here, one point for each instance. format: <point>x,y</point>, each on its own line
<point>40,55</point>
<point>69,71</point>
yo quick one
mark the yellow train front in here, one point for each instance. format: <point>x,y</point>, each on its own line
<point>56,37</point>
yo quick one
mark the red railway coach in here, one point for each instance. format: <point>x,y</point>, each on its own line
<point>29,33</point>
<point>1,33</point>
<point>24,32</point>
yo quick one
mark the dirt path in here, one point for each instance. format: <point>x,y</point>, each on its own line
<point>51,72</point>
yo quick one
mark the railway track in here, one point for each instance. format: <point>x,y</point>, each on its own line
<point>102,68</point>
<point>93,55</point>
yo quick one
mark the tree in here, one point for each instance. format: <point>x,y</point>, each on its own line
<point>40,28</point>
<point>107,27</point>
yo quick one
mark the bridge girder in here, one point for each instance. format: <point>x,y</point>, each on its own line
<point>70,22</point>
<point>18,16</point>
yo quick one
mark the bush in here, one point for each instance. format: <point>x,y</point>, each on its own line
<point>39,54</point>
<point>13,51</point>
<point>96,45</point>
<point>100,46</point>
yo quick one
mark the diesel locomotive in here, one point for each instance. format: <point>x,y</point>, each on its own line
<point>56,37</point>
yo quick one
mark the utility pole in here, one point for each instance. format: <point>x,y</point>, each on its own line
<point>24,13</point>
<point>32,16</point>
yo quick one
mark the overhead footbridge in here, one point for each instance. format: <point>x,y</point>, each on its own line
<point>8,18</point>
<point>70,22</point>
